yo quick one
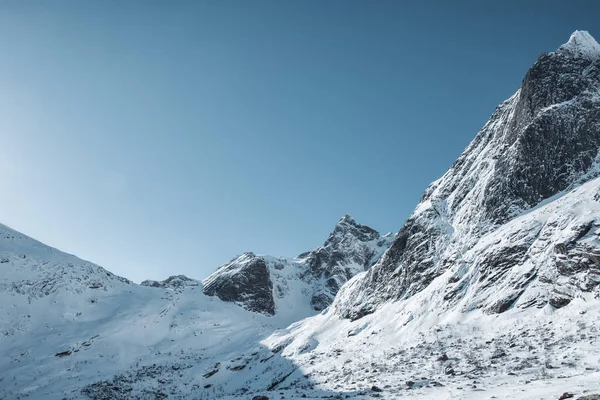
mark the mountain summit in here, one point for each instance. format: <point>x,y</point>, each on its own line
<point>541,142</point>
<point>582,44</point>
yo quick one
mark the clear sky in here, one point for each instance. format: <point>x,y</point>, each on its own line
<point>158,138</point>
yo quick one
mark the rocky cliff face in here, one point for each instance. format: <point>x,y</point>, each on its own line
<point>244,280</point>
<point>261,283</point>
<point>539,143</point>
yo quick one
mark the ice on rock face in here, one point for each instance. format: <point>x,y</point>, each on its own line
<point>582,44</point>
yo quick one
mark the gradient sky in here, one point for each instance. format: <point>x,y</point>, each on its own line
<point>158,138</point>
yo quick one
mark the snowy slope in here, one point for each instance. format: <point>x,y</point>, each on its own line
<point>70,329</point>
<point>449,341</point>
<point>66,323</point>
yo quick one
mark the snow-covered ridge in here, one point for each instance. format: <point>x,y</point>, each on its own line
<point>303,284</point>
<point>540,142</point>
<point>582,44</point>
<point>34,269</point>
<point>448,340</point>
<point>490,290</point>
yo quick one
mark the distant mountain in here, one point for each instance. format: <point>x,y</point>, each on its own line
<point>269,284</point>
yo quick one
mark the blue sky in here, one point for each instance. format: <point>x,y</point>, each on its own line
<point>158,138</point>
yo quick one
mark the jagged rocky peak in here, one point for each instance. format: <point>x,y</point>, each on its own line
<point>542,141</point>
<point>348,227</point>
<point>561,76</point>
<point>348,242</point>
<point>581,44</point>
<point>351,248</point>
<point>244,280</point>
<point>260,282</point>
<point>536,144</point>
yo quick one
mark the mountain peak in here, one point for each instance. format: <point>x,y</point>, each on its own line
<point>347,219</point>
<point>581,44</point>
<point>348,226</point>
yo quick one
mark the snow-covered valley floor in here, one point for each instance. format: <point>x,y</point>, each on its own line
<point>72,330</point>
<point>153,343</point>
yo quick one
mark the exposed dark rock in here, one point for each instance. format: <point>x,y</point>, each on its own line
<point>238,367</point>
<point>212,371</point>
<point>320,301</point>
<point>246,281</point>
<point>63,353</point>
<point>506,303</point>
<point>559,300</point>
<point>130,385</point>
<point>280,380</point>
<point>172,282</point>
<point>560,248</point>
<point>498,353</point>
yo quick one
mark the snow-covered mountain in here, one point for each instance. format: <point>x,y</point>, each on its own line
<point>269,284</point>
<point>71,329</point>
<point>540,143</point>
<point>491,289</point>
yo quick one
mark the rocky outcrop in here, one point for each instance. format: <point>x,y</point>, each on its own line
<point>244,280</point>
<point>350,248</point>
